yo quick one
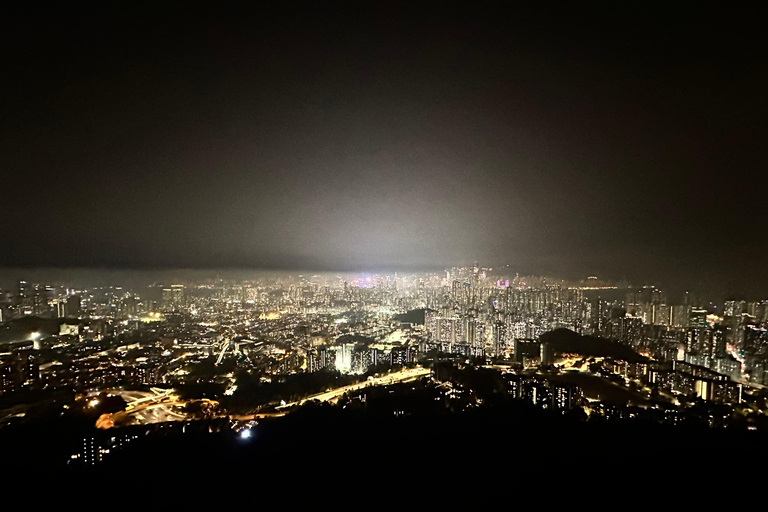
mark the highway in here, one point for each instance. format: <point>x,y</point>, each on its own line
<point>154,407</point>
<point>404,375</point>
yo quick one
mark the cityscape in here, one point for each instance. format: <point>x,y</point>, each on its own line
<point>224,355</point>
<point>462,249</point>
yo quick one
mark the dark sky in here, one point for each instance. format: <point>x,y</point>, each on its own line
<point>569,138</point>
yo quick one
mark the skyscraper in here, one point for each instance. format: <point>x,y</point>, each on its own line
<point>72,308</point>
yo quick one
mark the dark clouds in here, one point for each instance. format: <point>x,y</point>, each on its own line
<point>573,139</point>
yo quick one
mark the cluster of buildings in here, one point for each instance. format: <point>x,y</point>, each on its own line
<point>102,445</point>
<point>78,337</point>
<point>57,337</point>
<point>731,339</point>
<point>358,358</point>
<point>475,315</point>
<point>546,392</point>
<point>479,316</point>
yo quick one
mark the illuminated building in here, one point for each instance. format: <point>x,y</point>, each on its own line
<point>173,297</point>
<point>565,396</point>
<point>343,360</point>
<point>547,355</point>
<point>698,318</point>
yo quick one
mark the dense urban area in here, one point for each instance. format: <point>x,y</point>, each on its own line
<point>110,371</point>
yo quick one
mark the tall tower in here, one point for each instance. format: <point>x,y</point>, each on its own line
<point>72,309</point>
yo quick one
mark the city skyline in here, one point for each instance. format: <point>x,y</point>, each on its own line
<point>426,243</point>
<point>122,374</point>
<point>713,289</point>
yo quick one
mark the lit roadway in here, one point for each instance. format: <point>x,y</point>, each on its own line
<point>152,408</point>
<point>157,405</point>
<point>404,375</point>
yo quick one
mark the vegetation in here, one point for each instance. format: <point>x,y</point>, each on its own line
<point>414,316</point>
<point>567,341</point>
<point>252,394</point>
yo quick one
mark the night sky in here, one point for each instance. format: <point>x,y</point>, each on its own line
<point>613,139</point>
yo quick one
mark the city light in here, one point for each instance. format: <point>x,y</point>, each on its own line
<point>551,343</point>
<point>409,242</point>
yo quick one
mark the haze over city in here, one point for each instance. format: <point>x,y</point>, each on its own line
<point>573,139</point>
<point>415,239</point>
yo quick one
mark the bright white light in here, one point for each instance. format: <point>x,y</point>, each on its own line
<point>245,433</point>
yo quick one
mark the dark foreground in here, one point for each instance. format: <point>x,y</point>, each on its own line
<point>475,449</point>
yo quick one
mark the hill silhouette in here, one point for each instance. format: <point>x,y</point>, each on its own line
<point>20,329</point>
<point>413,316</point>
<point>565,340</point>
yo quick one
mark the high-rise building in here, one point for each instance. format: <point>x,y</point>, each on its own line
<point>23,293</point>
<point>499,338</point>
<point>698,319</point>
<point>661,315</point>
<point>60,308</point>
<point>734,307</point>
<point>343,360</point>
<point>680,316</point>
<point>24,299</point>
<point>72,309</point>
<point>40,298</point>
<point>630,330</point>
<point>173,297</point>
<point>321,358</point>
<point>547,355</point>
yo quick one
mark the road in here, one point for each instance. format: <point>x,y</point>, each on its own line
<point>156,406</point>
<point>152,407</point>
<point>404,375</point>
